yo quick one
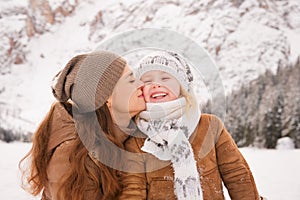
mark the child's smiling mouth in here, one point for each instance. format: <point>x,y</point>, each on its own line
<point>158,95</point>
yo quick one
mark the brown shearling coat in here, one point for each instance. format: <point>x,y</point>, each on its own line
<point>218,160</point>
<point>62,137</point>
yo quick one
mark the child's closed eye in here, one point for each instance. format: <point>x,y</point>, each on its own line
<point>147,81</point>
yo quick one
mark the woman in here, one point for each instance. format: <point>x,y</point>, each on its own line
<point>65,160</point>
<point>186,155</point>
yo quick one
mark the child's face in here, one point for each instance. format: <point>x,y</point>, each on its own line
<point>160,87</point>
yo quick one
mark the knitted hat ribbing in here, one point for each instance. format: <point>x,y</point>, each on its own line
<point>88,79</point>
<point>169,62</point>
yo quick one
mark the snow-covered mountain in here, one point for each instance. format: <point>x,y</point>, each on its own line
<point>38,37</point>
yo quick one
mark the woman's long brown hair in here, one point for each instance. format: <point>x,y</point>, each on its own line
<point>84,174</point>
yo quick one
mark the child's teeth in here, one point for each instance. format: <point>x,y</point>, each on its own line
<point>159,94</point>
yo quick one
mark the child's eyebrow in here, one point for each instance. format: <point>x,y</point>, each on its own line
<point>146,77</point>
<point>165,73</point>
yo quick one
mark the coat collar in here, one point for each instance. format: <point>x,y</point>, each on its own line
<point>61,126</point>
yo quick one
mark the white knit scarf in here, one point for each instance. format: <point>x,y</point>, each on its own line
<point>168,128</point>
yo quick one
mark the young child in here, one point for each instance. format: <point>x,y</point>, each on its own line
<point>197,152</point>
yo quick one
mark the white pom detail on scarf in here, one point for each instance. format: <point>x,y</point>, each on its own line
<point>169,126</point>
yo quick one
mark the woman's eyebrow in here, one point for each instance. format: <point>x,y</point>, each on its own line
<point>129,75</point>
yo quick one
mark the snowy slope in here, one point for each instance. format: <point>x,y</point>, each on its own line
<point>244,38</point>
<point>275,172</point>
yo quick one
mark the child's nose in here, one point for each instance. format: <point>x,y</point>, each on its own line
<point>155,85</point>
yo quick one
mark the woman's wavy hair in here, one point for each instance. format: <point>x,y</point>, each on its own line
<point>85,173</point>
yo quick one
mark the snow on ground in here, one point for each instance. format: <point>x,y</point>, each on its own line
<point>275,171</point>
<point>10,180</point>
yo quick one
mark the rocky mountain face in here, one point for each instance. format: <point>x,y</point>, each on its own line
<point>20,23</point>
<point>245,38</point>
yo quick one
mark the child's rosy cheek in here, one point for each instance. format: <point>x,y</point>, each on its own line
<point>144,90</point>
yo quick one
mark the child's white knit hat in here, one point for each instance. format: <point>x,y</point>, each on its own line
<point>169,62</point>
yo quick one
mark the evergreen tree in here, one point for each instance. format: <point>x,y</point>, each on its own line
<point>295,129</point>
<point>273,123</point>
<point>238,132</point>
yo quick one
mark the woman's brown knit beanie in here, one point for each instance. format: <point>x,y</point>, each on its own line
<point>88,79</point>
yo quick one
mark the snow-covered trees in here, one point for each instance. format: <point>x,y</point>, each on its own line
<point>267,109</point>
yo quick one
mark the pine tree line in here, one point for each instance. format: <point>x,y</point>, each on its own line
<point>266,109</point>
<point>7,135</point>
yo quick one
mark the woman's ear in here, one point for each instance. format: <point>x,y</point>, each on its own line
<point>108,102</point>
